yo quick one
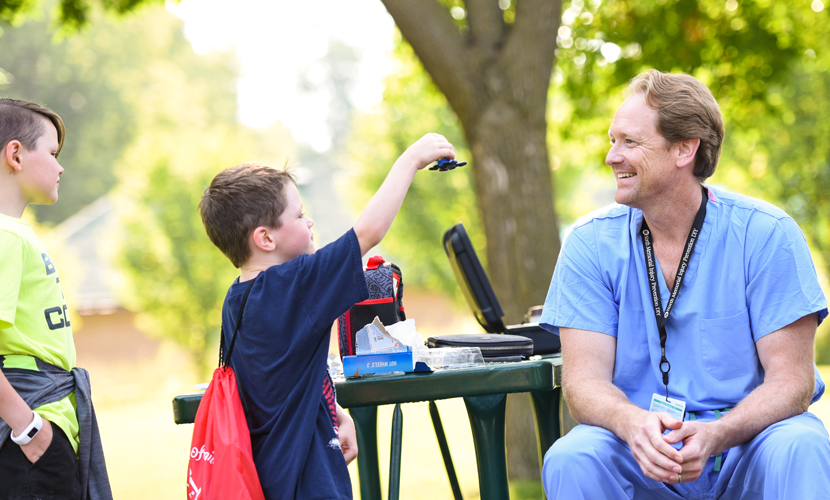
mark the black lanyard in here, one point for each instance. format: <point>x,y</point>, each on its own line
<point>225,360</point>
<point>662,317</point>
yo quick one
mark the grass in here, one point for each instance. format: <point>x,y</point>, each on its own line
<point>147,453</point>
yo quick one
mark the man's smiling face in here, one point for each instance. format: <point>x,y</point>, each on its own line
<point>640,156</point>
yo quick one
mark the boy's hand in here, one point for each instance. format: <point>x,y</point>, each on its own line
<point>37,446</point>
<point>348,435</point>
<point>379,213</point>
<point>429,149</point>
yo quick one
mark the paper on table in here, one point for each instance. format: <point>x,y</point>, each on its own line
<point>374,338</point>
<point>404,332</point>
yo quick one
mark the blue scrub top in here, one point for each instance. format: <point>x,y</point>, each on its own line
<point>750,274</point>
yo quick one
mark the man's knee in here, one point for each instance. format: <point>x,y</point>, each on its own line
<point>583,448</point>
<point>800,436</point>
<point>790,459</point>
<point>588,463</point>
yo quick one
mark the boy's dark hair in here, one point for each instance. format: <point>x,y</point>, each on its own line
<point>239,200</point>
<point>21,120</point>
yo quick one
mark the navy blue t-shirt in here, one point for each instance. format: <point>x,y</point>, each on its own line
<point>280,360</point>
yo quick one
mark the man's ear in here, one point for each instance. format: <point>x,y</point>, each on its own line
<point>686,151</point>
<point>11,154</point>
<point>262,238</point>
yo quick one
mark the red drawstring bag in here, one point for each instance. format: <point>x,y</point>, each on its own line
<point>221,462</point>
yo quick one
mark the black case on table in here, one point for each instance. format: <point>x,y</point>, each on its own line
<point>479,293</point>
<point>492,346</point>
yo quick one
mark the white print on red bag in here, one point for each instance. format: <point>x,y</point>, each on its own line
<point>193,491</point>
<point>197,455</point>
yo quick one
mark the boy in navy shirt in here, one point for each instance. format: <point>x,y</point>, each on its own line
<point>301,439</point>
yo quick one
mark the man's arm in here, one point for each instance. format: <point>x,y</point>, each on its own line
<point>789,380</point>
<point>588,368</point>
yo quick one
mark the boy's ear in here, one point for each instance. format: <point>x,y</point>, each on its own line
<point>11,154</point>
<point>262,237</point>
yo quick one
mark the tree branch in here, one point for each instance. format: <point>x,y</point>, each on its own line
<point>487,26</point>
<point>528,56</point>
<point>435,38</point>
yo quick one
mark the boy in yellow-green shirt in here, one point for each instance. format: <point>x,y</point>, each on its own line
<point>44,399</point>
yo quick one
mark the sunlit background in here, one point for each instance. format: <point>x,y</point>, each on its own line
<point>156,102</point>
<point>280,46</point>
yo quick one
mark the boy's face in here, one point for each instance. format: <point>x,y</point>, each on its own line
<point>294,236</point>
<point>39,168</point>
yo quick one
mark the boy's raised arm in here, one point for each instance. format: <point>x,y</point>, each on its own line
<point>381,210</point>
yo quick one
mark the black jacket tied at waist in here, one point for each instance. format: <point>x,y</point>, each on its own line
<point>50,384</point>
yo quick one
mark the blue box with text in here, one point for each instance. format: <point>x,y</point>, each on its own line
<point>375,364</point>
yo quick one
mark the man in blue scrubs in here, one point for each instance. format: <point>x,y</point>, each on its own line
<point>687,317</point>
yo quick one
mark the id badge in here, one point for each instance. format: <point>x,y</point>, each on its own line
<point>676,408</point>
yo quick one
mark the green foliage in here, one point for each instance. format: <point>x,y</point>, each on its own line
<point>79,78</point>
<point>70,15</point>
<point>178,279</point>
<point>411,107</point>
<point>751,54</point>
<point>155,123</point>
<point>766,62</point>
<point>736,52</point>
<point>187,132</point>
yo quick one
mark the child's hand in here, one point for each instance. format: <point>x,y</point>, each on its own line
<point>429,149</point>
<point>39,444</point>
<point>347,435</point>
<point>381,210</point>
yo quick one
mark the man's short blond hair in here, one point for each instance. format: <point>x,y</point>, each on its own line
<point>686,109</point>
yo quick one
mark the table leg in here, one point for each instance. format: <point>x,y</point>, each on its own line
<point>368,468</point>
<point>546,412</point>
<point>487,422</point>
<point>445,450</point>
<point>395,454</point>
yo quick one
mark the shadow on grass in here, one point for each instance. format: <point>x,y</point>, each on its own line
<point>526,489</point>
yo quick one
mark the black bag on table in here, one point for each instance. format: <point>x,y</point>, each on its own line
<point>494,347</point>
<point>385,301</point>
<point>481,298</point>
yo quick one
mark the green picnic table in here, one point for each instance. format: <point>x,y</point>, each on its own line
<point>484,389</point>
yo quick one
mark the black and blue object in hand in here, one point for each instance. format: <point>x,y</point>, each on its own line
<point>445,164</point>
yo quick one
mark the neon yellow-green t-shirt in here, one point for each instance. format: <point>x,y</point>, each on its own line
<point>34,322</point>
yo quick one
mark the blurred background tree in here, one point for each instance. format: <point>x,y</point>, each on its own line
<point>187,133</point>
<point>80,81</point>
<point>152,122</point>
<point>493,63</point>
<point>69,15</point>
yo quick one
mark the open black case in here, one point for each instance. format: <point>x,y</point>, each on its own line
<point>480,296</point>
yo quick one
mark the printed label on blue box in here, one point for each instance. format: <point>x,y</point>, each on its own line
<point>376,364</point>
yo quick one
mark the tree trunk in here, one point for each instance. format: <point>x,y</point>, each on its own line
<point>496,78</point>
